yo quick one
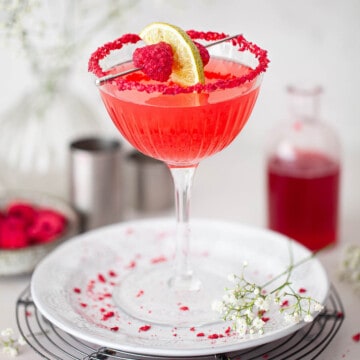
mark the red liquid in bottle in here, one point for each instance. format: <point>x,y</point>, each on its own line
<point>303,197</point>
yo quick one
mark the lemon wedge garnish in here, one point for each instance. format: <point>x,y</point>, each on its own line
<point>188,68</point>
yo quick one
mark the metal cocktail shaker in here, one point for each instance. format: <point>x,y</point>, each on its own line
<point>151,190</point>
<point>96,181</point>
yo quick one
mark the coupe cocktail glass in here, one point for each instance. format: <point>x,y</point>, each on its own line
<point>180,126</point>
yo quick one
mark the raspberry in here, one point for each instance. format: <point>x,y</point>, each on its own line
<point>22,224</point>
<point>13,233</point>
<point>205,56</point>
<point>47,225</point>
<point>22,211</point>
<point>155,60</point>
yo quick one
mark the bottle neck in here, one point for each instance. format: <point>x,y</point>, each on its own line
<point>304,105</point>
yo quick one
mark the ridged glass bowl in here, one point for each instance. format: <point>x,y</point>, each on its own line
<point>24,260</point>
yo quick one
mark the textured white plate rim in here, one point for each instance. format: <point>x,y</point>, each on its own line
<point>175,352</point>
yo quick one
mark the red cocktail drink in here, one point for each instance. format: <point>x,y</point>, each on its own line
<point>180,125</point>
<point>184,128</point>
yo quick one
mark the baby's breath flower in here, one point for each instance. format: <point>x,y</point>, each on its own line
<point>318,307</point>
<point>296,317</point>
<point>258,323</point>
<point>262,303</point>
<point>292,317</point>
<point>249,314</point>
<point>21,341</point>
<point>241,326</point>
<point>246,303</point>
<point>350,267</point>
<point>7,332</point>
<point>9,345</point>
<point>9,350</point>
<point>230,298</point>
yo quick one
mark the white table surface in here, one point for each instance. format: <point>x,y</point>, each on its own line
<point>236,185</point>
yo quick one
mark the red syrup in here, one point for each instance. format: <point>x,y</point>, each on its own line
<point>303,198</point>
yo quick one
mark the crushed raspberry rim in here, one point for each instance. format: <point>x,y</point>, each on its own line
<point>173,88</point>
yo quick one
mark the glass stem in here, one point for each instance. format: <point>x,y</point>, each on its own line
<point>183,278</point>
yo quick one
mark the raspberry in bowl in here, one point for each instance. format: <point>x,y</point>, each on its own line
<point>31,225</point>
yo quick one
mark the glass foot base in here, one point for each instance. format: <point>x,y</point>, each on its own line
<point>151,296</point>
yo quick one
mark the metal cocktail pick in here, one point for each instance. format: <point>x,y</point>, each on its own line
<point>101,80</point>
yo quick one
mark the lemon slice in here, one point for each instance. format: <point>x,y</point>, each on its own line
<point>188,68</point>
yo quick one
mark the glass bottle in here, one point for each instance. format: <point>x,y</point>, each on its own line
<point>303,174</point>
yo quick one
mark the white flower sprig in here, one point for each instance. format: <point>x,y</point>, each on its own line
<point>350,267</point>
<point>246,304</point>
<point>9,345</point>
<point>243,305</point>
<point>51,35</point>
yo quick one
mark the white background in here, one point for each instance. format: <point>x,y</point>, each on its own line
<point>311,42</point>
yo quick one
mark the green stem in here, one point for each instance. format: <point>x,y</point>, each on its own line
<point>288,271</point>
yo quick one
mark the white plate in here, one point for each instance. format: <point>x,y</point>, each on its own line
<point>72,286</point>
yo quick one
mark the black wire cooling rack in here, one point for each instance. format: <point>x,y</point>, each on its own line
<point>54,344</point>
